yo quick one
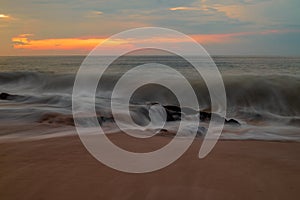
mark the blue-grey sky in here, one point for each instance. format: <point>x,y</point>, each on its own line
<point>231,27</point>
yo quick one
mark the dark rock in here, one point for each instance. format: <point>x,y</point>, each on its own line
<point>6,96</point>
<point>166,133</point>
<point>201,131</point>
<point>205,116</point>
<point>173,113</point>
<point>175,109</point>
<point>57,119</point>
<point>102,119</point>
<point>232,122</point>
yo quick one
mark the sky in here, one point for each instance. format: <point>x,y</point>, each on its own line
<point>75,27</point>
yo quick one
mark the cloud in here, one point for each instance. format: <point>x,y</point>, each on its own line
<point>213,22</point>
<point>230,11</point>
<point>241,10</point>
<point>97,12</point>
<point>24,41</point>
<point>5,17</point>
<point>184,8</point>
<point>94,14</point>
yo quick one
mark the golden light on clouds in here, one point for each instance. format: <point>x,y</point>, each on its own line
<point>97,12</point>
<point>93,14</point>
<point>25,41</point>
<point>184,8</point>
<point>231,11</point>
<point>3,16</point>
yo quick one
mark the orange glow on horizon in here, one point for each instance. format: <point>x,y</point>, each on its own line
<point>24,41</point>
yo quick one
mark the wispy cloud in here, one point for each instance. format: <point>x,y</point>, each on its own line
<point>230,37</point>
<point>5,17</point>
<point>184,8</point>
<point>94,14</point>
<point>231,9</point>
<point>97,12</point>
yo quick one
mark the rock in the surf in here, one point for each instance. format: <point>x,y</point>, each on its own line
<point>57,119</point>
<point>173,113</point>
<point>232,122</point>
<point>7,96</point>
<point>206,117</point>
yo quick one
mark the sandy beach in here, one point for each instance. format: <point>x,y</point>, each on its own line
<point>61,168</point>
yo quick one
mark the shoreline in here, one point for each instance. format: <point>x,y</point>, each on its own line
<point>27,132</point>
<point>61,168</point>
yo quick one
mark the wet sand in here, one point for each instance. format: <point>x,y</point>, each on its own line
<point>61,168</point>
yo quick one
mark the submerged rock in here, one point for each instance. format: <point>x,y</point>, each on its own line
<point>166,133</point>
<point>57,119</point>
<point>6,96</point>
<point>102,119</point>
<point>173,113</point>
<point>206,117</point>
<point>201,131</point>
<point>232,122</point>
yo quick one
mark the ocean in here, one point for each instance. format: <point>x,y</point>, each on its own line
<point>262,95</point>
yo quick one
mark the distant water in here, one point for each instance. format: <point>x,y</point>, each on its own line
<point>262,92</point>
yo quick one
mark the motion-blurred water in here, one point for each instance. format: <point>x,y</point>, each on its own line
<point>262,92</point>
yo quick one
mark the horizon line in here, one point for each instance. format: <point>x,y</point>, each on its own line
<point>212,55</point>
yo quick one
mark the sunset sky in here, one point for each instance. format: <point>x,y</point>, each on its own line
<point>74,27</point>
